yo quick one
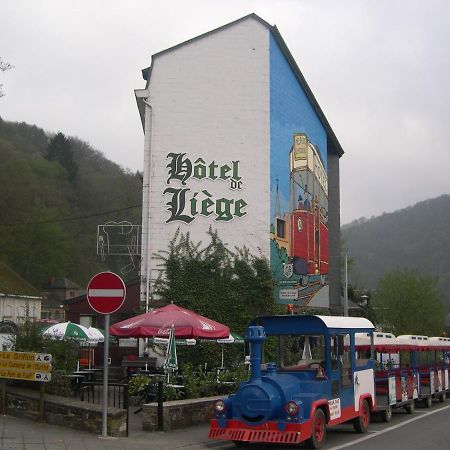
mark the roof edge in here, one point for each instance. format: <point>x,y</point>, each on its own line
<point>309,94</point>
<point>147,71</point>
<point>332,139</point>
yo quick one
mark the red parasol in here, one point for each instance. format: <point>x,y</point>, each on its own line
<point>187,325</point>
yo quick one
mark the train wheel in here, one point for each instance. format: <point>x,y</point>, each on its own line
<point>442,397</point>
<point>427,402</point>
<point>319,430</point>
<point>410,407</point>
<point>386,415</point>
<point>361,423</point>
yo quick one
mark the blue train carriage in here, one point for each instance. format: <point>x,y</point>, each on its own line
<point>305,376</point>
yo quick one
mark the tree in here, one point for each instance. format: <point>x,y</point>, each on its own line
<point>407,302</point>
<point>4,66</point>
<point>231,287</point>
<point>60,149</point>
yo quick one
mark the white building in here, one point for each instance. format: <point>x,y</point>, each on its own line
<point>18,298</point>
<point>221,114</point>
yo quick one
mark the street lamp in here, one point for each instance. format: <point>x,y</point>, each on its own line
<point>345,285</point>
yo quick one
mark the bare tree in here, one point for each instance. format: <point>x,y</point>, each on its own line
<point>4,66</point>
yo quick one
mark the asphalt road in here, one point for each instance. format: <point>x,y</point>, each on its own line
<point>426,429</point>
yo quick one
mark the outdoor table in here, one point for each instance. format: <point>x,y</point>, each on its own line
<point>95,371</point>
<point>75,382</point>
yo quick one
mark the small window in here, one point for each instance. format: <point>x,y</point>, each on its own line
<point>362,357</point>
<point>281,228</point>
<point>86,321</point>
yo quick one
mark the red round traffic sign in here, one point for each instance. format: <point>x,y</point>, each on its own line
<point>106,292</point>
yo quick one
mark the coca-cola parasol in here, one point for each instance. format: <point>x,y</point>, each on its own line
<point>157,323</point>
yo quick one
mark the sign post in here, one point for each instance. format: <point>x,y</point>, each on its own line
<point>106,293</point>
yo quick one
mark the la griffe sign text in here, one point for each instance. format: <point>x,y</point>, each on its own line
<point>185,205</point>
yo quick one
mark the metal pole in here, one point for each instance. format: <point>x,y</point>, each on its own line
<point>160,406</point>
<point>105,378</point>
<point>345,286</point>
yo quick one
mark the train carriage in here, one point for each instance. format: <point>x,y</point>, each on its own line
<point>305,376</point>
<point>428,359</point>
<point>396,381</point>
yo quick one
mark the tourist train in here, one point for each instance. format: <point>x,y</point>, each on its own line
<point>313,372</point>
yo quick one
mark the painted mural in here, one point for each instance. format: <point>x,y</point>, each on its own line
<point>299,191</point>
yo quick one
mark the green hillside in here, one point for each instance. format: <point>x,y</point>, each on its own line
<point>55,191</point>
<point>414,237</point>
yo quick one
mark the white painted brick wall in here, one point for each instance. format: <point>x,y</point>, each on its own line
<point>210,99</point>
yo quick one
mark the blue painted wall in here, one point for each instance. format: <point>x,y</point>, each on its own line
<point>290,112</point>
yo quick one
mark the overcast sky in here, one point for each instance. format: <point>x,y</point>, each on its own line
<point>379,69</point>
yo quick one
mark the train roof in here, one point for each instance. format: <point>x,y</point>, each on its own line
<point>293,324</point>
<point>388,343</point>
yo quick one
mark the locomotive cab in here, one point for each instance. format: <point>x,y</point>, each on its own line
<point>305,374</point>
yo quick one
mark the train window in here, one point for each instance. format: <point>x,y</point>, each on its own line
<point>302,351</point>
<point>405,359</point>
<point>271,350</point>
<point>341,352</point>
<point>423,358</point>
<point>281,228</point>
<point>363,357</point>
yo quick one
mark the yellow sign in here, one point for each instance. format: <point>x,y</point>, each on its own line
<point>26,356</point>
<point>29,376</point>
<point>26,366</point>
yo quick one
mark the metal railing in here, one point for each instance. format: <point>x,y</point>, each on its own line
<point>92,392</point>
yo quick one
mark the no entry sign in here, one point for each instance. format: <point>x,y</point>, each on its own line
<point>106,292</point>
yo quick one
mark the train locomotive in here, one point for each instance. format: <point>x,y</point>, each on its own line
<point>313,372</point>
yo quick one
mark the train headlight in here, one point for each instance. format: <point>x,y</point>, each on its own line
<point>291,408</point>
<point>219,407</point>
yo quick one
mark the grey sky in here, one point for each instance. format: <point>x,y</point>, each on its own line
<point>379,69</point>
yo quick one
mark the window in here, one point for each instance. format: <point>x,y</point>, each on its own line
<point>405,359</point>
<point>362,357</point>
<point>281,228</point>
<point>302,351</point>
<point>86,321</point>
<point>341,356</point>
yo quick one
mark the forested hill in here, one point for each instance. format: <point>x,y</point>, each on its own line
<point>414,237</point>
<point>55,190</point>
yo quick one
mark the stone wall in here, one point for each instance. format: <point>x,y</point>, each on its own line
<point>65,412</point>
<point>178,414</point>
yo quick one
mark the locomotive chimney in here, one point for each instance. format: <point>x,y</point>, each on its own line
<point>256,336</point>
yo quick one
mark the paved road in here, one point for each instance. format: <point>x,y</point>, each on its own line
<point>427,429</point>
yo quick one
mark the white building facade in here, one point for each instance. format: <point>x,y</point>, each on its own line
<point>224,116</point>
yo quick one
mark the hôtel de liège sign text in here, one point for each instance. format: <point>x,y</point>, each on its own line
<point>185,205</point>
